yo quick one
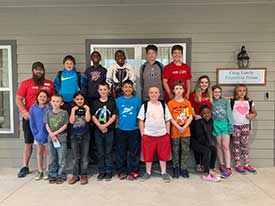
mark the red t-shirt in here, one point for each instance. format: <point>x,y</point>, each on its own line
<point>197,105</point>
<point>173,73</point>
<point>28,90</point>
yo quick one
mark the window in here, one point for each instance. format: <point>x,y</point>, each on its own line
<point>7,79</point>
<point>135,51</point>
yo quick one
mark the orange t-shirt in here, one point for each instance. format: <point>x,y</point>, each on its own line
<point>180,112</point>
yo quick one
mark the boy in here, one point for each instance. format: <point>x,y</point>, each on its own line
<point>150,73</point>
<point>56,121</point>
<point>95,74</point>
<point>104,115</point>
<point>176,70</point>
<point>154,124</point>
<point>118,72</point>
<point>128,136</point>
<point>181,111</point>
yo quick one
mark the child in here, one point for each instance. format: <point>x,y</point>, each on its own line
<point>181,112</point>
<point>95,74</point>
<point>243,110</point>
<point>39,131</point>
<point>79,118</point>
<point>202,95</point>
<point>150,73</point>
<point>104,114</point>
<point>118,72</point>
<point>176,70</point>
<point>202,142</point>
<point>128,135</point>
<point>222,128</point>
<point>154,124</point>
<point>56,121</point>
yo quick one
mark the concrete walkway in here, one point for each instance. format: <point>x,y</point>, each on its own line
<point>241,190</point>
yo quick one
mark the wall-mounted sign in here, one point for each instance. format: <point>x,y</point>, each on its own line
<point>250,76</point>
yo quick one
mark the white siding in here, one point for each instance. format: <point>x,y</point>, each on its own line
<point>48,30</point>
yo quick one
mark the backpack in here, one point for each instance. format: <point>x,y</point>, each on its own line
<point>146,108</point>
<point>59,74</point>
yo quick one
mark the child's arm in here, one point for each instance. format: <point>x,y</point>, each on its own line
<point>188,122</point>
<point>72,116</point>
<point>51,134</point>
<point>253,113</point>
<point>32,123</point>
<point>97,123</point>
<point>87,113</point>
<point>61,129</point>
<point>188,86</point>
<point>167,89</point>
<point>167,124</point>
<point>141,126</point>
<point>111,120</point>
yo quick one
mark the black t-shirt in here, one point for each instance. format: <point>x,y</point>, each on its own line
<point>103,111</point>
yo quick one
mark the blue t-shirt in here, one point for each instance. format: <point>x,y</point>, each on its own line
<point>128,109</point>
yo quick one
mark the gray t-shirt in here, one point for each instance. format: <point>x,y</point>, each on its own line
<point>151,76</point>
<point>56,121</point>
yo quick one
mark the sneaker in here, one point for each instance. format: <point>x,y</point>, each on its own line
<point>145,176</point>
<point>226,173</point>
<point>122,176</point>
<point>222,168</point>
<point>73,180</point>
<point>60,180</point>
<point>52,180</point>
<point>240,169</point>
<point>199,169</point>
<point>100,176</point>
<point>211,178</point>
<point>108,176</point>
<point>38,176</point>
<point>251,169</point>
<point>184,173</point>
<point>166,178</point>
<point>176,172</point>
<point>46,175</point>
<point>23,172</point>
<point>133,176</point>
<point>84,180</point>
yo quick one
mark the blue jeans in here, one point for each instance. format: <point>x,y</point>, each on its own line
<point>80,147</point>
<point>57,160</point>
<point>128,144</point>
<point>104,147</point>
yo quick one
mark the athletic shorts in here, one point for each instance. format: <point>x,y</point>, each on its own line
<point>159,145</point>
<point>28,137</point>
<point>220,127</point>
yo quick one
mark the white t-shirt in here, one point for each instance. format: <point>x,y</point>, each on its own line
<point>240,110</point>
<point>154,123</point>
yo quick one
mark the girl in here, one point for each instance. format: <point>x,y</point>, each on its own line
<point>243,111</point>
<point>38,128</point>
<point>79,118</point>
<point>118,72</point>
<point>201,95</point>
<point>222,123</point>
<point>202,143</point>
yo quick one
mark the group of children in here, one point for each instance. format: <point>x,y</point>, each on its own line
<point>102,105</point>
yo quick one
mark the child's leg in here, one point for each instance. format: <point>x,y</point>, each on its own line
<point>244,143</point>
<point>148,167</point>
<point>61,151</point>
<point>175,151</point>
<point>108,158</point>
<point>75,144</point>
<point>236,144</point>
<point>46,150</point>
<point>134,151</point>
<point>121,151</point>
<point>162,166</point>
<point>163,151</point>
<point>220,149</point>
<point>99,142</point>
<point>84,151</point>
<point>226,150</point>
<point>53,164</point>
<point>213,154</point>
<point>185,145</point>
<point>40,157</point>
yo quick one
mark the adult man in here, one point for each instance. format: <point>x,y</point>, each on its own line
<point>25,98</point>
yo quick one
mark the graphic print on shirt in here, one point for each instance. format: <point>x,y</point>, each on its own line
<point>103,114</point>
<point>219,111</point>
<point>153,74</point>
<point>55,122</point>
<point>95,75</point>
<point>79,121</point>
<point>127,110</point>
<point>242,107</point>
<point>182,114</point>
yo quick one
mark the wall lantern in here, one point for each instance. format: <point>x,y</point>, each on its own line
<point>243,58</point>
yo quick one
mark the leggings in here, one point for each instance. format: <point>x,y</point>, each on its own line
<point>240,143</point>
